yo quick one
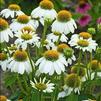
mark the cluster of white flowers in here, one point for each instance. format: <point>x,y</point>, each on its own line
<point>56,54</point>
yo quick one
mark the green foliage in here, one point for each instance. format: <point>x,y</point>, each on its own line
<point>72,97</point>
<point>10,79</point>
<point>15,96</point>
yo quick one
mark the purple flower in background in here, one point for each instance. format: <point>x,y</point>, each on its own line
<point>84,20</point>
<point>99,20</point>
<point>83,8</point>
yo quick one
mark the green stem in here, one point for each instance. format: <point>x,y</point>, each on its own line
<point>29,56</point>
<point>87,68</point>
<point>62,79</point>
<point>25,82</point>
<point>96,70</point>
<point>20,86</point>
<point>7,48</point>
<point>40,96</point>
<point>44,34</point>
<point>79,61</point>
<point>90,64</point>
<point>36,52</point>
<point>55,94</point>
<point>57,43</point>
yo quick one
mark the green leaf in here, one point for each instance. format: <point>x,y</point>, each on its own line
<point>72,97</point>
<point>83,96</point>
<point>99,97</point>
<point>35,95</point>
<point>14,96</point>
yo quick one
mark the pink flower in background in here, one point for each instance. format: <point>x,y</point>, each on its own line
<point>99,20</point>
<point>84,20</point>
<point>83,8</point>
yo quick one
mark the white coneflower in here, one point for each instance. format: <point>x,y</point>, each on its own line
<point>43,85</point>
<point>72,83</point>
<point>55,36</point>
<point>83,41</point>
<point>12,11</point>
<point>4,98</point>
<point>64,23</point>
<point>67,52</point>
<point>22,21</point>
<point>26,36</point>
<point>3,61</point>
<point>51,62</point>
<point>5,32</point>
<point>19,62</point>
<point>44,11</point>
<point>83,35</point>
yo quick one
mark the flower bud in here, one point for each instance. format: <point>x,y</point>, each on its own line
<point>91,30</point>
<point>68,52</point>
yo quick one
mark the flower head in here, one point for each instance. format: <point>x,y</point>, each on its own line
<point>64,23</point>
<point>42,85</point>
<point>12,11</point>
<point>3,56</point>
<point>46,4</point>
<point>84,20</point>
<point>3,98</point>
<point>27,29</point>
<point>20,55</point>
<point>72,80</point>
<point>19,62</point>
<point>85,35</point>
<point>45,12</point>
<point>5,32</point>
<point>83,41</point>
<point>3,24</point>
<point>95,65</point>
<point>61,47</point>
<point>26,36</point>
<point>23,21</point>
<point>14,7</point>
<point>72,84</point>
<point>3,61</point>
<point>51,55</point>
<point>83,7</point>
<point>64,16</point>
<point>67,52</point>
<point>80,68</point>
<point>51,62</point>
